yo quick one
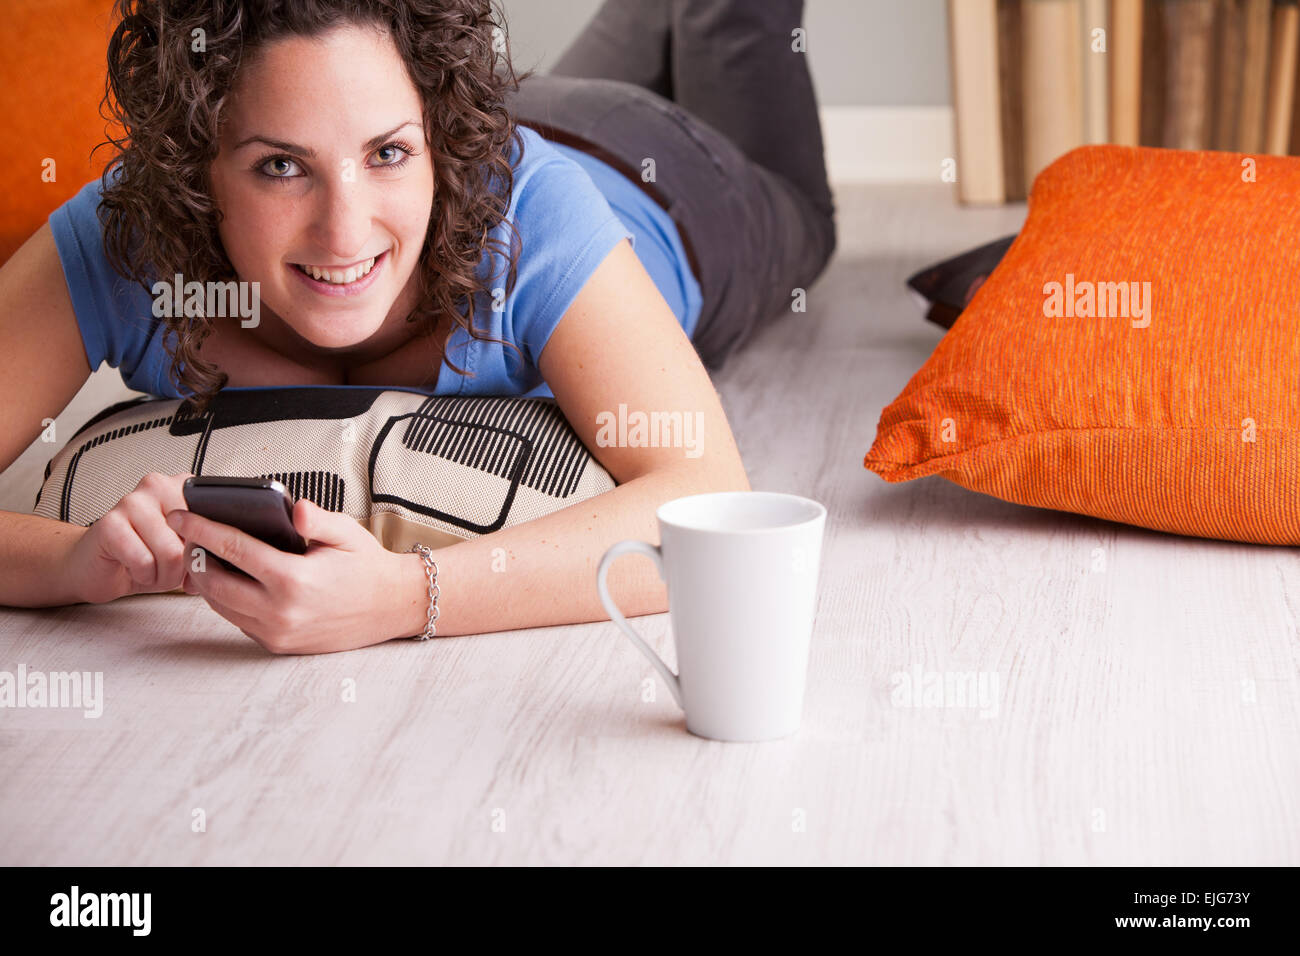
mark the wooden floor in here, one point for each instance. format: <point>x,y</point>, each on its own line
<point>1143,700</point>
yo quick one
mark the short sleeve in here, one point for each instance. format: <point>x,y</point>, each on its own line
<point>566,229</point>
<point>114,314</point>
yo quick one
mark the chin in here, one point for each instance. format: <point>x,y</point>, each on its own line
<point>337,332</point>
<point>327,328</point>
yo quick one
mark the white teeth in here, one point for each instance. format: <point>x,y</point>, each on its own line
<point>340,277</point>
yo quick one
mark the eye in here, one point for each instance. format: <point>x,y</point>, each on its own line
<point>392,155</point>
<point>279,167</point>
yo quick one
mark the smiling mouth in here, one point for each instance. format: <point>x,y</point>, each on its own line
<point>336,275</point>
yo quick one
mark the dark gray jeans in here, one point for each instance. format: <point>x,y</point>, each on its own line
<point>714,92</point>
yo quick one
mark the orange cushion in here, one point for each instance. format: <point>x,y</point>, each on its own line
<point>1184,420</point>
<point>52,70</point>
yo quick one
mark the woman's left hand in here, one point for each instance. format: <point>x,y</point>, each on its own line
<point>324,600</point>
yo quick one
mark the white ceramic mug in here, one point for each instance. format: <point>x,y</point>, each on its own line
<point>741,569</point>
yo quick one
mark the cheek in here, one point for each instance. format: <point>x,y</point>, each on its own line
<point>409,222</point>
<point>408,211</point>
<point>253,233</point>
<point>237,228</point>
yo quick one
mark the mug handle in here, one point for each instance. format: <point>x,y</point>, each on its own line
<point>633,546</point>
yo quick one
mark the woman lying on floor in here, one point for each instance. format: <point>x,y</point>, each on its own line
<point>662,192</point>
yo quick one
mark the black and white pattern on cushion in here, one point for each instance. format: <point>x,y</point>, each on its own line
<point>321,487</point>
<point>394,459</point>
<point>88,483</point>
<point>554,469</point>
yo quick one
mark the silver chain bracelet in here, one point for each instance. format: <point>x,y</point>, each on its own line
<point>431,570</point>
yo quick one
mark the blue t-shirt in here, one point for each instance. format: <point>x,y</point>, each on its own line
<point>569,208</point>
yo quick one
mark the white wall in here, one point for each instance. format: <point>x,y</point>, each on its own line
<point>862,52</point>
<point>880,68</point>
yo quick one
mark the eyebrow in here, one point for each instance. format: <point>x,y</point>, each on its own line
<point>301,151</point>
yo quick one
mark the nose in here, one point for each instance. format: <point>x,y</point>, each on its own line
<point>342,218</point>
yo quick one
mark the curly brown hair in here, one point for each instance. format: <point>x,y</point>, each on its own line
<point>157,209</point>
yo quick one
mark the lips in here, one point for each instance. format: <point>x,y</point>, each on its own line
<point>340,279</point>
<point>338,275</point>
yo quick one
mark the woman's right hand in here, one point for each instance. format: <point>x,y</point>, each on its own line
<point>130,550</point>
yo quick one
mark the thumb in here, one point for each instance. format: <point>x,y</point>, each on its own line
<point>319,526</point>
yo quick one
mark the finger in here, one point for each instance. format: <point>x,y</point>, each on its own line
<point>165,546</point>
<point>172,496</point>
<point>251,628</point>
<point>255,558</point>
<point>121,544</point>
<point>215,583</point>
<point>330,528</point>
<point>246,624</point>
<point>167,490</point>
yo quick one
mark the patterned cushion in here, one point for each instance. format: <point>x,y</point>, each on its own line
<point>409,466</point>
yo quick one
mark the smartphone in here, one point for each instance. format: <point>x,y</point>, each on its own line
<point>261,507</point>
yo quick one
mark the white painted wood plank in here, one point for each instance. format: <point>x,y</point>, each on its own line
<point>1121,691</point>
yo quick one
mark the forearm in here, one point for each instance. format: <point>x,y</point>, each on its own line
<point>543,572</point>
<point>34,560</point>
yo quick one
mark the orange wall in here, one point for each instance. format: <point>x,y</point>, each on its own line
<point>52,70</point>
